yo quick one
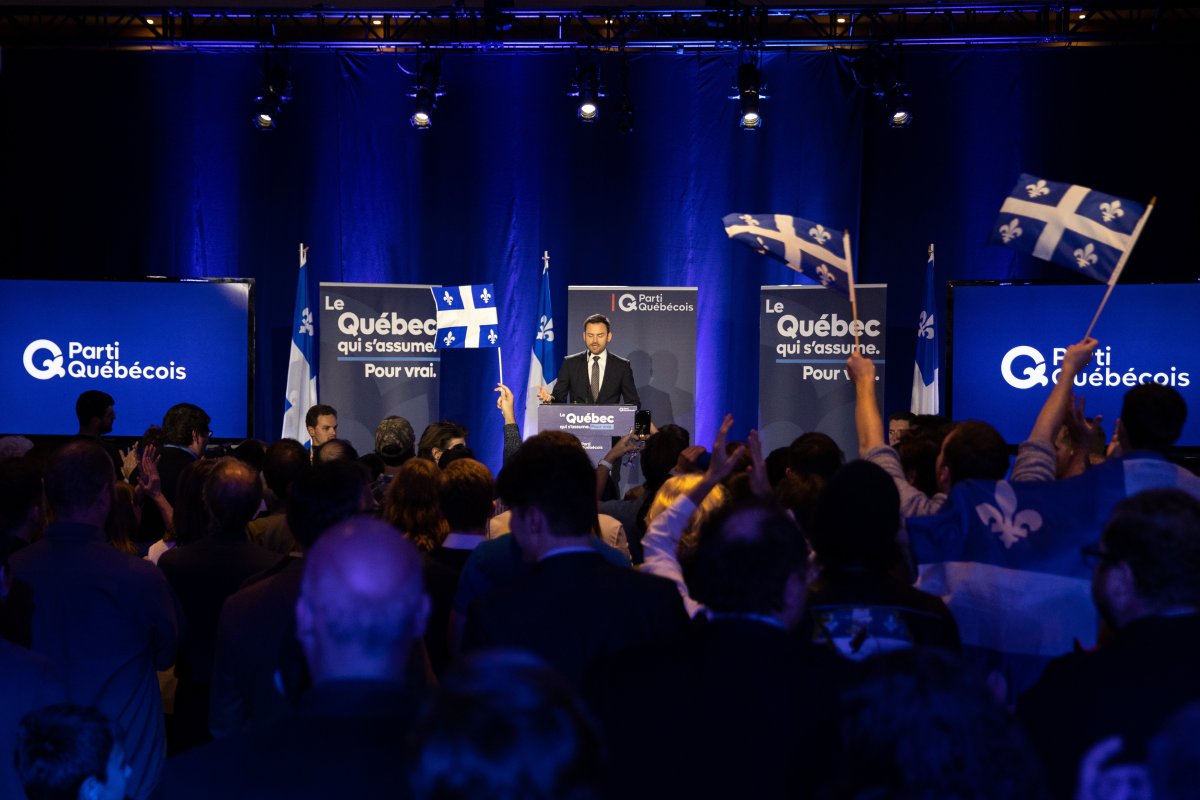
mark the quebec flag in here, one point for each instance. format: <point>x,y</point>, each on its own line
<point>543,369</point>
<point>301,392</point>
<point>925,372</point>
<point>1005,557</point>
<point>816,252</point>
<point>466,316</point>
<point>1072,226</point>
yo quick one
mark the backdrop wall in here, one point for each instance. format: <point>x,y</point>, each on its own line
<point>126,164</point>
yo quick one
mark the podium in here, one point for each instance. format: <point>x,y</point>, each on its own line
<point>595,426</point>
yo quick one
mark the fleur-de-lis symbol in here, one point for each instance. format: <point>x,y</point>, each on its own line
<point>925,326</point>
<point>485,295</point>
<point>819,234</point>
<point>749,220</point>
<point>1086,257</point>
<point>762,246</point>
<point>546,329</point>
<point>1038,189</point>
<point>1010,231</point>
<point>1004,519</point>
<point>448,298</point>
<point>826,276</point>
<point>448,339</point>
<point>1110,211</point>
<point>492,337</point>
<point>306,322</point>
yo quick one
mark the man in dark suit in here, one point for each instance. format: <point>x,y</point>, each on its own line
<point>594,375</point>
<point>362,607</point>
<point>573,607</point>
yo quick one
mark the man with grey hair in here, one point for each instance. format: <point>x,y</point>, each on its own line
<point>362,607</point>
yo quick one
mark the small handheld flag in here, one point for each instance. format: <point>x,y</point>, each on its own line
<point>812,249</point>
<point>1086,231</point>
<point>466,316</point>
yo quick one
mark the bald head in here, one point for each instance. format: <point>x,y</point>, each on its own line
<point>232,494</point>
<point>362,602</point>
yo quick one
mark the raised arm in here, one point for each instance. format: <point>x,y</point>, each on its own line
<point>1058,404</point>
<point>867,418</point>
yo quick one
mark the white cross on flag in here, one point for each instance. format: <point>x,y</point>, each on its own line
<point>1072,226</point>
<point>816,252</point>
<point>466,316</point>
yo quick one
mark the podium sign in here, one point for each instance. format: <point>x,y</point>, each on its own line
<point>596,426</point>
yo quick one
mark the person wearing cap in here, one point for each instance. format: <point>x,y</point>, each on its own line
<point>394,444</point>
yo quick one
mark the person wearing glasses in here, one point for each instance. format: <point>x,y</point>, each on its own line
<point>1091,714</point>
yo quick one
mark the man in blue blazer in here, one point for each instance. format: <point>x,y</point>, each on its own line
<point>594,375</point>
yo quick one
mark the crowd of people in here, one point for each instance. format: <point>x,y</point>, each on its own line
<point>288,620</point>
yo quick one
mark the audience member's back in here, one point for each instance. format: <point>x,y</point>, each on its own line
<point>105,618</point>
<point>573,607</point>
<point>741,706</point>
<point>859,603</point>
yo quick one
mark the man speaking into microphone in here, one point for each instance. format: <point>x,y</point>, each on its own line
<point>594,375</point>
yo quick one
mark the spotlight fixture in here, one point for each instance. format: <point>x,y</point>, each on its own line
<point>899,114</point>
<point>425,93</point>
<point>589,91</point>
<point>276,91</point>
<point>749,86</point>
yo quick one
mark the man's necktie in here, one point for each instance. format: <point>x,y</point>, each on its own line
<point>595,379</point>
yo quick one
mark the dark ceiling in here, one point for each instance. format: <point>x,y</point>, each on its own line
<point>504,25</point>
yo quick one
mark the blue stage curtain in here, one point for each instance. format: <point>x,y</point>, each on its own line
<point>128,164</point>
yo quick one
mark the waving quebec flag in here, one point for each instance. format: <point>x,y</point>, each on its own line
<point>301,391</point>
<point>1072,226</point>
<point>816,252</point>
<point>1005,557</point>
<point>466,316</point>
<point>925,372</point>
<point>543,369</point>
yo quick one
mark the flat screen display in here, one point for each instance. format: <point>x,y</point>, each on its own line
<point>1006,344</point>
<point>150,344</point>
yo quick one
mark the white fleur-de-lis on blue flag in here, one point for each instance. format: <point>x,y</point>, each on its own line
<point>1063,219</point>
<point>306,323</point>
<point>1004,519</point>
<point>776,235</point>
<point>1086,256</point>
<point>925,326</point>
<point>1010,231</point>
<point>467,316</point>
<point>545,329</point>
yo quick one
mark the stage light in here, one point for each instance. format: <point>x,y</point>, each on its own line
<point>749,86</point>
<point>589,91</point>
<point>899,114</point>
<point>276,91</point>
<point>425,94</point>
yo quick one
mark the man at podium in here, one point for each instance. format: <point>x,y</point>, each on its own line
<point>594,375</point>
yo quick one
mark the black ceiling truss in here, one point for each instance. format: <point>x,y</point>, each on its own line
<point>720,25</point>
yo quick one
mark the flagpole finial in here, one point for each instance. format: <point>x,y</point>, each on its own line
<point>931,249</point>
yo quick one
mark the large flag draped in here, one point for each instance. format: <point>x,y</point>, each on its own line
<point>816,252</point>
<point>301,391</point>
<point>543,369</point>
<point>466,316</point>
<point>1005,557</point>
<point>1072,226</point>
<point>925,372</point>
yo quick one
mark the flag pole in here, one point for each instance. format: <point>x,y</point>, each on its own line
<point>850,277</point>
<point>1116,274</point>
<point>500,363</point>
